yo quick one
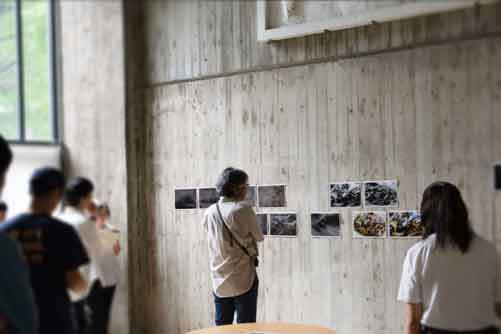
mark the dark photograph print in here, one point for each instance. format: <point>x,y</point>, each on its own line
<point>251,197</point>
<point>381,193</point>
<point>207,197</point>
<point>283,224</point>
<point>371,224</point>
<point>405,224</point>
<point>262,222</point>
<point>271,196</point>
<point>325,224</point>
<point>346,194</point>
<point>186,198</point>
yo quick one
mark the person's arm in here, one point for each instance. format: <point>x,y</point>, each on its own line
<point>75,281</point>
<point>16,293</point>
<point>413,313</point>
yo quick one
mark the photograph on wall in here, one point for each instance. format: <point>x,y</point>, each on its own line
<point>251,196</point>
<point>405,224</point>
<point>272,196</point>
<point>262,222</point>
<point>207,197</point>
<point>346,194</point>
<point>325,224</point>
<point>369,224</point>
<point>186,198</point>
<point>283,224</point>
<point>381,193</point>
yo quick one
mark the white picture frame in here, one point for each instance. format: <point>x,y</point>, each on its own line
<point>398,12</point>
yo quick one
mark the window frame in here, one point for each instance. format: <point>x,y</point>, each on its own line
<point>53,84</point>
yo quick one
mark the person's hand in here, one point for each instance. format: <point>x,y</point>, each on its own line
<point>117,248</point>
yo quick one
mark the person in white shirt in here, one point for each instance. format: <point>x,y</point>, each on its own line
<point>233,234</point>
<point>77,200</point>
<point>101,296</point>
<point>451,279</point>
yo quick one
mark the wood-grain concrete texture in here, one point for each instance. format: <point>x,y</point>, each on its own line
<point>415,100</point>
<point>418,116</point>
<point>91,42</point>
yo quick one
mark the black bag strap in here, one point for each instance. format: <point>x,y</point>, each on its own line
<point>231,234</point>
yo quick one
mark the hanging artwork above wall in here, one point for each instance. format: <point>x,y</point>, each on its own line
<point>285,19</point>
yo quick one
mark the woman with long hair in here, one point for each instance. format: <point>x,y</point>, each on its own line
<point>450,281</point>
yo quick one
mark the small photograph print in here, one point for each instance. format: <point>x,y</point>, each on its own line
<point>371,224</point>
<point>271,196</point>
<point>325,224</point>
<point>251,197</point>
<point>405,224</point>
<point>186,198</point>
<point>283,224</point>
<point>346,194</point>
<point>262,221</point>
<point>381,193</point>
<point>207,197</point>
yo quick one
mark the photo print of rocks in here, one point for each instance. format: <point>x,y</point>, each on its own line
<point>346,194</point>
<point>373,195</point>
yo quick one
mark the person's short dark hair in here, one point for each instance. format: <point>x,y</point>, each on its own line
<point>3,206</point>
<point>5,156</point>
<point>45,180</point>
<point>76,190</point>
<point>229,180</point>
<point>444,214</point>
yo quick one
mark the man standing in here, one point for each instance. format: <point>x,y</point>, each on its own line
<point>53,251</point>
<point>17,306</point>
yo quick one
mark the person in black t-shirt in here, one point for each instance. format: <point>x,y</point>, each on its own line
<point>52,250</point>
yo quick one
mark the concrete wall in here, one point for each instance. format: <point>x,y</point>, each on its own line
<point>414,100</point>
<point>91,41</point>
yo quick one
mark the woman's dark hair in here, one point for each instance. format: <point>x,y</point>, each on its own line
<point>3,206</point>
<point>444,213</point>
<point>46,179</point>
<point>5,156</point>
<point>229,180</point>
<point>76,190</point>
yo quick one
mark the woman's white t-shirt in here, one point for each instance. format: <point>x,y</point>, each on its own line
<point>458,291</point>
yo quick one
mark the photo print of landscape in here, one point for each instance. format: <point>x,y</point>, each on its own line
<point>251,197</point>
<point>185,198</point>
<point>346,194</point>
<point>262,222</point>
<point>381,193</point>
<point>283,224</point>
<point>405,224</point>
<point>325,224</point>
<point>207,197</point>
<point>272,196</point>
<point>369,224</point>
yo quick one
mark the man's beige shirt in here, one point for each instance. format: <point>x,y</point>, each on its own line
<point>232,270</point>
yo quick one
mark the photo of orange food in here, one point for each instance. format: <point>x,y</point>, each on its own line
<point>369,224</point>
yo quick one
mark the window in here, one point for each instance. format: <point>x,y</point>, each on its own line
<point>27,67</point>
